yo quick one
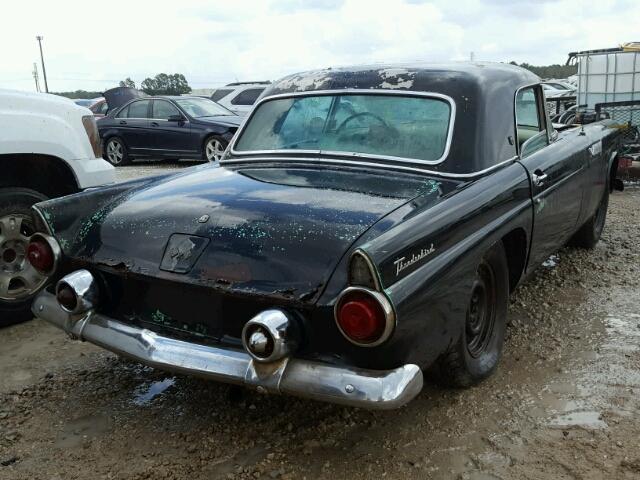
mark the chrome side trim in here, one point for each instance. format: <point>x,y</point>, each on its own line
<point>381,298</point>
<point>372,269</point>
<point>332,161</point>
<point>351,91</point>
<point>372,389</point>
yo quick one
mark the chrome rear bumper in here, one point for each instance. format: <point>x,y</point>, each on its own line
<point>372,389</point>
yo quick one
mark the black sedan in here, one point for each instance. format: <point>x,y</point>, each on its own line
<point>167,127</point>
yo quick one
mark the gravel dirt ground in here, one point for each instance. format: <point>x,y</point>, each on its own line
<point>564,403</point>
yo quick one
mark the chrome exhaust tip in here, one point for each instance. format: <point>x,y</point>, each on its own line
<point>77,292</point>
<point>270,336</point>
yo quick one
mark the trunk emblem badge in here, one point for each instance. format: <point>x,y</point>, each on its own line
<point>182,252</point>
<point>203,219</point>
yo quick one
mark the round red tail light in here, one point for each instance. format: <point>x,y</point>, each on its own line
<point>362,318</point>
<point>40,255</point>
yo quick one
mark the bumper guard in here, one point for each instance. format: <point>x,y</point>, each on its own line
<point>371,389</point>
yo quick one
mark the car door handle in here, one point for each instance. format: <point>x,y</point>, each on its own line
<point>154,124</point>
<point>539,177</point>
<point>123,122</point>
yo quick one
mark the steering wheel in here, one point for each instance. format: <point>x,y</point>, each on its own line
<point>362,114</point>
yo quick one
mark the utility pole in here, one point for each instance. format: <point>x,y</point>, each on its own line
<point>44,71</point>
<point>35,76</point>
<point>472,56</point>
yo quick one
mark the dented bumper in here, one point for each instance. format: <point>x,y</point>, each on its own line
<point>370,389</point>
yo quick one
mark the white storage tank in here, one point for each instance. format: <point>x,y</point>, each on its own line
<point>608,76</point>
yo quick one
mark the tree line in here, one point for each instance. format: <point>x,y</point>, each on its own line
<point>161,84</point>
<point>550,71</point>
<point>176,84</point>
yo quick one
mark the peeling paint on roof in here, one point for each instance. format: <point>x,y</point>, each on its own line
<point>306,81</point>
<point>397,78</point>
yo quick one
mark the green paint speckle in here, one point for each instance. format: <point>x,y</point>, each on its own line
<point>161,318</point>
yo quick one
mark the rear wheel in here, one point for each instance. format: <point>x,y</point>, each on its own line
<point>19,281</point>
<point>214,148</point>
<point>590,232</point>
<point>115,152</point>
<point>477,351</point>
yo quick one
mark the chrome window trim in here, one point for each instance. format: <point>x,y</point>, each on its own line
<point>381,298</point>
<point>387,166</point>
<point>350,91</point>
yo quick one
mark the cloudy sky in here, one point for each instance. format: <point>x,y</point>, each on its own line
<point>92,45</point>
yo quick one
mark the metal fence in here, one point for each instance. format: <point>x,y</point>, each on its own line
<point>626,115</point>
<point>558,105</point>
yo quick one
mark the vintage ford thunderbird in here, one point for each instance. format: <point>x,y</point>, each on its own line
<point>365,225</point>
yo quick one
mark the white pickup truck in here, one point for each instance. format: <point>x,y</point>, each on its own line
<point>49,147</point>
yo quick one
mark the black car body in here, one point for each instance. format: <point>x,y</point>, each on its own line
<point>167,127</point>
<point>300,267</point>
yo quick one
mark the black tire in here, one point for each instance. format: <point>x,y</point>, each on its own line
<point>213,138</point>
<point>115,152</point>
<point>16,201</point>
<point>590,232</point>
<point>476,353</point>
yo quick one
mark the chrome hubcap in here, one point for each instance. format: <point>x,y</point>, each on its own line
<point>214,150</point>
<point>18,279</point>
<point>114,151</point>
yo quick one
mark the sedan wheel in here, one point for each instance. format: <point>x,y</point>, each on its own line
<point>116,152</point>
<point>214,149</point>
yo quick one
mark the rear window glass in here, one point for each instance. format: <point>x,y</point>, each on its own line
<point>391,125</point>
<point>247,97</point>
<point>220,93</point>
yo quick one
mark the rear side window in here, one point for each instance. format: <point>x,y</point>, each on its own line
<point>124,113</point>
<point>247,97</point>
<point>162,110</point>
<point>220,93</point>
<point>103,108</point>
<point>139,109</point>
